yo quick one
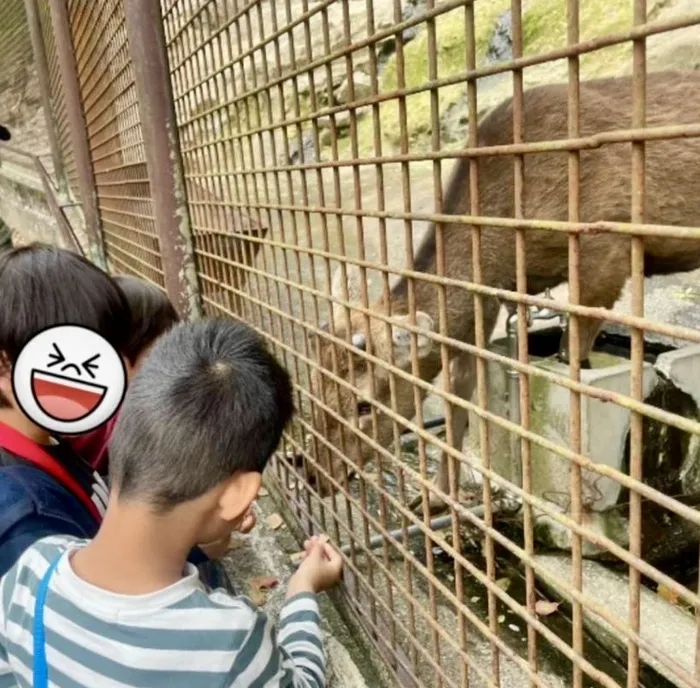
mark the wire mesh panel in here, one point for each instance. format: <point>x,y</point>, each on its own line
<point>58,103</point>
<point>387,191</point>
<point>20,104</point>
<point>114,132</point>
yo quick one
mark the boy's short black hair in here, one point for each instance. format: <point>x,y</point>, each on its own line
<point>152,313</point>
<point>42,286</point>
<point>209,400</point>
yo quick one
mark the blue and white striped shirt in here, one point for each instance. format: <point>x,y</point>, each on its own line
<point>184,636</point>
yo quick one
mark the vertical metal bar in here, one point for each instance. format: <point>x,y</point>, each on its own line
<point>697,634</point>
<point>442,311</point>
<point>637,357</point>
<point>574,337</point>
<point>409,261</point>
<point>42,73</point>
<point>384,512</point>
<point>480,341</point>
<point>152,78</point>
<point>78,129</point>
<point>522,324</point>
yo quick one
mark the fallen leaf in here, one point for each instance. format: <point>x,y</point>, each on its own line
<point>475,599</point>
<point>501,618</point>
<point>503,583</point>
<point>264,582</point>
<point>545,607</point>
<point>257,596</point>
<point>667,594</point>
<point>258,588</point>
<point>274,521</point>
<point>262,492</point>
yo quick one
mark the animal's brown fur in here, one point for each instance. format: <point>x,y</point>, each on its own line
<point>672,198</point>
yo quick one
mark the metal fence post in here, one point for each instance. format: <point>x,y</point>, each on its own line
<point>152,76</point>
<point>78,129</point>
<point>42,71</point>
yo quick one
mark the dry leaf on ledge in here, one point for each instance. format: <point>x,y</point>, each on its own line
<point>545,607</point>
<point>258,586</point>
<point>667,594</point>
<point>503,583</point>
<point>274,521</point>
<point>264,582</point>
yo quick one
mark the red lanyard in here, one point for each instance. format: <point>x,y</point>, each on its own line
<point>16,443</point>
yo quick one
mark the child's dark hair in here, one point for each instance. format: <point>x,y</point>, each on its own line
<point>42,286</point>
<point>152,313</point>
<point>210,400</point>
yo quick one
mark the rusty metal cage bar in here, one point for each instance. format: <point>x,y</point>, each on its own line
<point>314,140</point>
<point>58,103</point>
<point>42,71</point>
<point>75,115</point>
<point>150,65</point>
<point>115,140</point>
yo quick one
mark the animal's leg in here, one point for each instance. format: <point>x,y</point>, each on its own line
<point>462,385</point>
<point>599,290</point>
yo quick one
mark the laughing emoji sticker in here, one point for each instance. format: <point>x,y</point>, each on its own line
<point>69,380</point>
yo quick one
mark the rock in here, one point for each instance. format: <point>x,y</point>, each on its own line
<point>301,154</point>
<point>342,121</point>
<point>362,88</point>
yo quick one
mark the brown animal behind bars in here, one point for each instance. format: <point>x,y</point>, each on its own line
<point>672,198</point>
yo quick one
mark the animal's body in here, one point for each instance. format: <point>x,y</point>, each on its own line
<point>672,198</point>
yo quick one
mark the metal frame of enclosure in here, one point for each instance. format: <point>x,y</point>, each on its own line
<point>210,156</point>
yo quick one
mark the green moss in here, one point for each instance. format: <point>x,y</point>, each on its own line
<point>545,29</point>
<point>451,60</point>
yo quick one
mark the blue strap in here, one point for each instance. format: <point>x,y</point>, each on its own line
<point>41,668</point>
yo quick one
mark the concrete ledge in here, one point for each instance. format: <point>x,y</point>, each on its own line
<point>667,628</point>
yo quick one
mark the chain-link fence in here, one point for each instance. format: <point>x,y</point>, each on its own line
<point>442,216</point>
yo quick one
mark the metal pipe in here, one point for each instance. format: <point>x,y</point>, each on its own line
<point>439,523</point>
<point>42,72</point>
<point>78,129</point>
<point>149,57</point>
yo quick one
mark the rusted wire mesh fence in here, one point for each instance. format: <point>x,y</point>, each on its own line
<point>387,190</point>
<point>18,84</point>
<point>58,102</point>
<point>116,147</point>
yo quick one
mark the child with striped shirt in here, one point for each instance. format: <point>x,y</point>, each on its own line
<point>199,422</point>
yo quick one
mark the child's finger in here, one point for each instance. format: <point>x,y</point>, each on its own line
<point>335,560</point>
<point>248,523</point>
